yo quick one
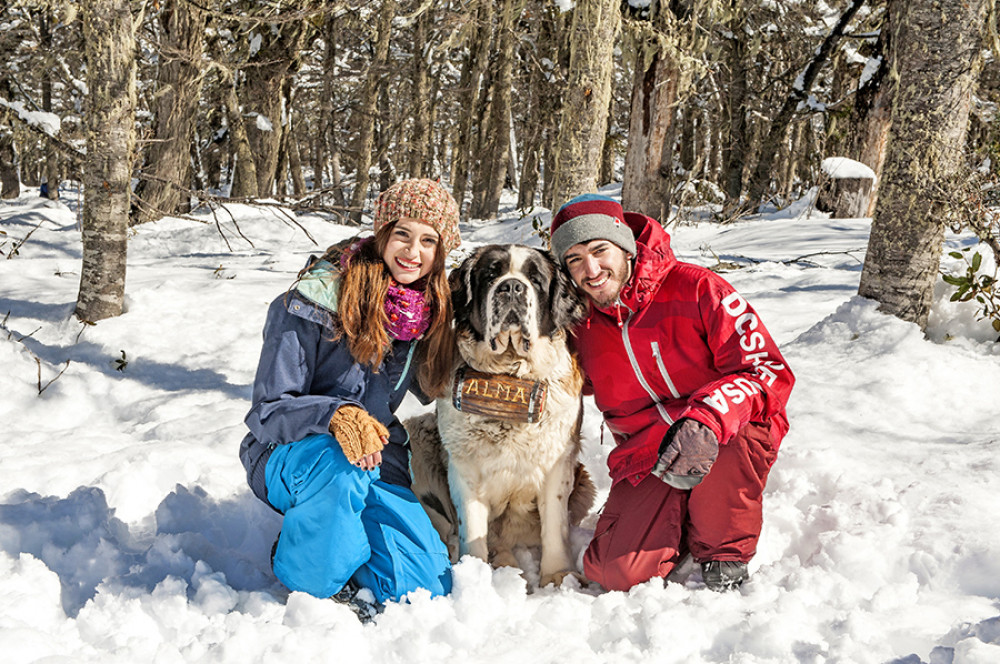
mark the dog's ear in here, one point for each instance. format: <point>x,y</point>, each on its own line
<point>568,307</point>
<point>461,294</point>
<point>460,282</point>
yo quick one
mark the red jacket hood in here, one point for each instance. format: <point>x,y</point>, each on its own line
<point>652,263</point>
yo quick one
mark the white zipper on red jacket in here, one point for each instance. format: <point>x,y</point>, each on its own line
<point>635,363</point>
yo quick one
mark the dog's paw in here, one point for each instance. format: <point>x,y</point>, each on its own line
<point>557,578</point>
<point>504,559</point>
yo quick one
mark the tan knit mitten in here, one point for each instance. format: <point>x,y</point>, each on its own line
<point>358,433</point>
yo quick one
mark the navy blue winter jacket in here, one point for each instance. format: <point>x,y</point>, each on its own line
<point>304,376</point>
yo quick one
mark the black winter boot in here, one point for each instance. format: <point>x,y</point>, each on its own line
<point>351,597</point>
<point>723,575</point>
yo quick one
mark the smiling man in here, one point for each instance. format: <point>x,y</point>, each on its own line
<point>691,386</point>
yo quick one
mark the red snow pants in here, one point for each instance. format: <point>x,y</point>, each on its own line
<point>644,530</point>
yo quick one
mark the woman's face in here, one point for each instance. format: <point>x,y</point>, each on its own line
<point>410,251</point>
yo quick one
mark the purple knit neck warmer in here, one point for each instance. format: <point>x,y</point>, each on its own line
<point>409,315</point>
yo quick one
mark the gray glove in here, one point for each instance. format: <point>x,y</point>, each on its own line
<point>686,454</point>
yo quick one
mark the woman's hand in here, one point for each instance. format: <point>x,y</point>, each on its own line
<point>360,435</point>
<point>371,461</point>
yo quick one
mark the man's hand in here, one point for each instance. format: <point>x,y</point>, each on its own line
<point>686,454</point>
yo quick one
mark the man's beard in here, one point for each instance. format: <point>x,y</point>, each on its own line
<point>619,276</point>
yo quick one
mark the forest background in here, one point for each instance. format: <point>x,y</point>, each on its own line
<point>127,532</point>
<point>158,107</point>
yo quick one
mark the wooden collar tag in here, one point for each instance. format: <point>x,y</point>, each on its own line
<point>498,395</point>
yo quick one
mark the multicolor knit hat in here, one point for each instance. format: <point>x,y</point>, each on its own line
<point>425,200</point>
<point>590,217</point>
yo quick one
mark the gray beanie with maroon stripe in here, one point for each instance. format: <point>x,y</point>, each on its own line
<point>590,217</point>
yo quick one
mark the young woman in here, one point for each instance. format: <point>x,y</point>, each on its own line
<point>325,448</point>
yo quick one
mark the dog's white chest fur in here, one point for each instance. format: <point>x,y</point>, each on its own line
<point>508,462</point>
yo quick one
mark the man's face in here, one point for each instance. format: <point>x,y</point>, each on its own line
<point>599,269</point>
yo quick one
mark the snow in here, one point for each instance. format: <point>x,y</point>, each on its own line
<point>871,67</point>
<point>263,123</point>
<point>847,169</point>
<point>48,123</point>
<point>127,531</point>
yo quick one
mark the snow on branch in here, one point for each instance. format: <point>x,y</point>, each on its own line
<point>47,123</point>
<point>44,123</point>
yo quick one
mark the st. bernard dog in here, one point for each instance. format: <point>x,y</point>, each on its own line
<point>497,466</point>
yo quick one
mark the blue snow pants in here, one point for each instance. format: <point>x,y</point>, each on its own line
<point>342,522</point>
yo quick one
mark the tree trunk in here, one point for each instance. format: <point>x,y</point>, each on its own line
<point>263,96</point>
<point>280,188</point>
<point>539,110</point>
<point>244,183</point>
<point>420,136</point>
<point>713,146</point>
<point>512,175</point>
<point>794,151</point>
<point>214,147</point>
<point>495,152</point>
<point>383,138</point>
<point>328,143</point>
<point>876,137</point>
<point>609,153</point>
<point>561,38</point>
<point>648,165</point>
<point>736,146</point>
<point>482,143</point>
<point>368,109</point>
<point>52,176</point>
<point>436,141</point>
<point>290,143</point>
<point>109,39</point>
<point>198,178</point>
<point>870,117</point>
<point>295,163</point>
<point>593,28</point>
<point>166,177</point>
<point>688,140</point>
<point>845,187</point>
<point>470,85</point>
<point>937,62</point>
<point>10,183</point>
<point>324,119</point>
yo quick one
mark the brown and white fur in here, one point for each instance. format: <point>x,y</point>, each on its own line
<point>491,485</point>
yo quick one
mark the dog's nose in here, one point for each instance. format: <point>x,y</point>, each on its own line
<point>511,286</point>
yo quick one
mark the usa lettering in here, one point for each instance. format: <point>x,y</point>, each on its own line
<point>738,390</point>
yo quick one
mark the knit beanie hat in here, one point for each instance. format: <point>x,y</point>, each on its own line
<point>424,200</point>
<point>590,217</point>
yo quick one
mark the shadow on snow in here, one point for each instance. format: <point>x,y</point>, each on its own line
<point>81,541</point>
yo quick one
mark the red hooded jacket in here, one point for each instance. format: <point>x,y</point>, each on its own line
<point>680,342</point>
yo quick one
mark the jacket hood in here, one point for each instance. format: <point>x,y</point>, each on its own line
<point>652,262</point>
<point>320,285</point>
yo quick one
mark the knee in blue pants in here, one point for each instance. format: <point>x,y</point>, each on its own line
<point>406,551</point>
<point>340,521</point>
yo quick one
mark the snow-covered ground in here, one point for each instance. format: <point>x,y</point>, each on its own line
<point>128,534</point>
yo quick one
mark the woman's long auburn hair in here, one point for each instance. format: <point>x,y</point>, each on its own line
<point>364,284</point>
